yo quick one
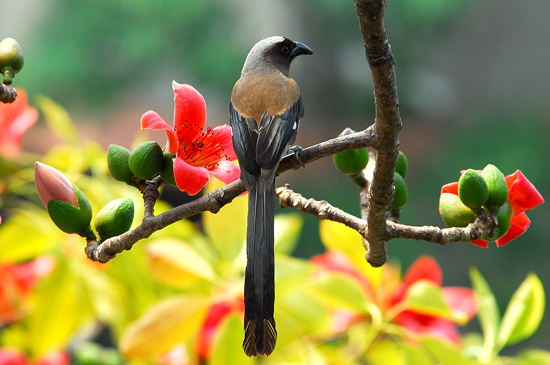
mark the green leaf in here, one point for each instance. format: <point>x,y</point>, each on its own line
<point>425,297</point>
<point>167,323</point>
<point>287,232</point>
<point>488,313</point>
<point>444,352</point>
<point>58,120</point>
<point>228,344</point>
<point>338,291</point>
<point>41,235</point>
<point>524,313</point>
<point>534,357</point>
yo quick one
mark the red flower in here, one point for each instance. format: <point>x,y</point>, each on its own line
<point>199,153</point>
<point>15,119</point>
<point>16,282</point>
<point>461,300</point>
<point>522,195</point>
<point>389,294</point>
<point>216,315</point>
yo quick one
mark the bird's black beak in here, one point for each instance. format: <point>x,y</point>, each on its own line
<point>300,49</point>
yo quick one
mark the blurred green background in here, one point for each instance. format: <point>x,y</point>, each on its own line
<point>472,78</point>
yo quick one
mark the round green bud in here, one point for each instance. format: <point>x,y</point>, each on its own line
<point>117,161</point>
<point>11,59</point>
<point>504,216</point>
<point>69,218</point>
<point>401,194</point>
<point>88,353</point>
<point>146,160</point>
<point>167,169</point>
<point>402,165</point>
<point>351,162</point>
<point>115,218</point>
<point>453,212</point>
<point>496,183</point>
<point>472,189</point>
<point>111,357</point>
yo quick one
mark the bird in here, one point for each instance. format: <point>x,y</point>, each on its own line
<point>265,111</point>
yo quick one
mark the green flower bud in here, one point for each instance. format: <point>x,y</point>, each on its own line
<point>402,165</point>
<point>115,218</point>
<point>167,169</point>
<point>88,353</point>
<point>146,160</point>
<point>117,160</point>
<point>496,183</point>
<point>472,189</point>
<point>11,59</point>
<point>351,162</point>
<point>401,194</point>
<point>453,212</point>
<point>68,207</point>
<point>111,356</point>
<point>504,216</point>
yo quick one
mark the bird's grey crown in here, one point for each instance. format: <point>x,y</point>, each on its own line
<point>258,57</point>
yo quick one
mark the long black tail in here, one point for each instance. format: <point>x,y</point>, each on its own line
<point>259,284</point>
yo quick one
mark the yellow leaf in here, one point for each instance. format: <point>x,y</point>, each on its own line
<point>227,228</point>
<point>58,120</point>
<point>166,324</point>
<point>336,236</point>
<point>177,264</point>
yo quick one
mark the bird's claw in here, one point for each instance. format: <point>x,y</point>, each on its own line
<point>296,151</point>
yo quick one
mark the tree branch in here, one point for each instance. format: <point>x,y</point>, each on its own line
<point>8,94</point>
<point>323,210</point>
<point>215,200</point>
<point>387,124</point>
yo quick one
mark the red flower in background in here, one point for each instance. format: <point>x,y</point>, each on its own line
<point>522,195</point>
<point>199,153</point>
<point>16,283</point>
<point>390,294</point>
<point>15,119</point>
<point>217,313</point>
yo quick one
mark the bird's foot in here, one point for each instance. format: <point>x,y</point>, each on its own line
<point>296,151</point>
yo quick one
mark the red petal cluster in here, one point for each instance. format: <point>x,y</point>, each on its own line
<point>199,153</point>
<point>522,195</point>
<point>15,119</point>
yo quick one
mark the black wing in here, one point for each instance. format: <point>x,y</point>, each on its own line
<point>261,146</point>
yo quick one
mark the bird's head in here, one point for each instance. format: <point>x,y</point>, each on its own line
<point>274,52</point>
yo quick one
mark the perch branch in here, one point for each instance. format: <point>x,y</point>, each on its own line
<point>215,200</point>
<point>387,124</point>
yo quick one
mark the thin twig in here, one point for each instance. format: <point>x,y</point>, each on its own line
<point>324,210</point>
<point>8,94</point>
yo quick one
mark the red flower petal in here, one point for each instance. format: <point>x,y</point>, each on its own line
<point>480,243</point>
<point>190,178</point>
<point>522,193</point>
<point>451,188</point>
<point>151,120</point>
<point>424,267</point>
<point>15,119</point>
<point>226,171</point>
<point>223,135</point>
<point>428,325</point>
<point>189,112</point>
<point>461,299</point>
<point>519,225</point>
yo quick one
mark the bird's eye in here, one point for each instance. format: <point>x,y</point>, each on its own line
<point>285,50</point>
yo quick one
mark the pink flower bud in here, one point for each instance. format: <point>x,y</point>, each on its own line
<point>53,185</point>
